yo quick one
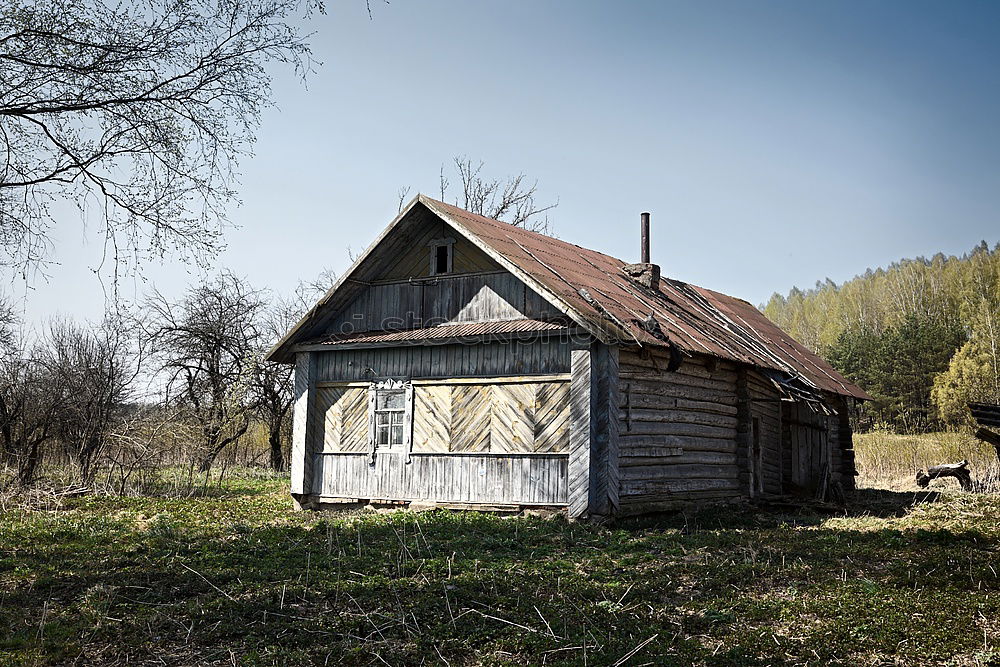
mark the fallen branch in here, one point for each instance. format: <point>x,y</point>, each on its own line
<point>959,471</point>
<point>191,569</point>
<point>628,656</point>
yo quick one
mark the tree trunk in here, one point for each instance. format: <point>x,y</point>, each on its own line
<point>277,456</point>
<point>28,465</point>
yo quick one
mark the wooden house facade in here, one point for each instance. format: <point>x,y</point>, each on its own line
<point>467,362</point>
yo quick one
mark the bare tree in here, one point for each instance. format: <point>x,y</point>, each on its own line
<point>307,292</point>
<point>511,199</point>
<point>8,326</point>
<point>139,109</point>
<point>272,386</point>
<point>92,368</point>
<point>28,404</point>
<point>208,344</point>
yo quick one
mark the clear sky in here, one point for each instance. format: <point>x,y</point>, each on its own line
<point>775,143</point>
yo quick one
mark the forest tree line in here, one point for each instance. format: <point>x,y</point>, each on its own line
<point>921,336</point>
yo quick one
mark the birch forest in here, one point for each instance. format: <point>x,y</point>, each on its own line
<point>920,336</point>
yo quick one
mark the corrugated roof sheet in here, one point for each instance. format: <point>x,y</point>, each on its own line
<point>695,319</point>
<point>443,331</point>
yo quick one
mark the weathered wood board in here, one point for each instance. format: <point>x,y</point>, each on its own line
<point>450,299</point>
<point>528,479</point>
<point>541,356</point>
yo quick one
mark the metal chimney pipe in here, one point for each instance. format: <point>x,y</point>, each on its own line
<point>645,237</point>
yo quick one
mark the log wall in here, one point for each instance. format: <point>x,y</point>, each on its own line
<point>677,431</point>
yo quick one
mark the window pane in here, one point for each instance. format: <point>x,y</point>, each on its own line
<point>383,436</point>
<point>397,435</point>
<point>397,418</point>
<point>389,400</point>
<point>381,418</point>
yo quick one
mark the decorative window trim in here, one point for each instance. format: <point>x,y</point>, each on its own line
<point>406,444</point>
<point>447,243</point>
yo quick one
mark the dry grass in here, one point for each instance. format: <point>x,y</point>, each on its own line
<point>890,460</point>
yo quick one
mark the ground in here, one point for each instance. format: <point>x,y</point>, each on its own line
<point>236,577</point>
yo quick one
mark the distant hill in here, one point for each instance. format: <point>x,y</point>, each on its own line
<point>922,335</point>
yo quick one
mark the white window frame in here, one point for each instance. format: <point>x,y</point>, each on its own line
<point>449,244</point>
<point>403,447</point>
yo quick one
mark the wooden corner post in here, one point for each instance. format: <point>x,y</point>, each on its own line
<point>301,464</point>
<point>579,432</point>
<point>604,400</point>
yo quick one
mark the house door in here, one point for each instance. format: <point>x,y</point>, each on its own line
<point>806,438</point>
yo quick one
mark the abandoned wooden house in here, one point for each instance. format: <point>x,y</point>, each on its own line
<point>467,362</point>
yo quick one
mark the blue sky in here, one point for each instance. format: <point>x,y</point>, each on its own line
<point>775,143</point>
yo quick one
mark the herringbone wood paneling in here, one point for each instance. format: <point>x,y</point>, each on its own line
<point>431,418</point>
<point>326,410</point>
<point>470,418</point>
<point>496,418</point>
<point>343,411</point>
<point>512,418</point>
<point>354,428</point>
<point>551,417</point>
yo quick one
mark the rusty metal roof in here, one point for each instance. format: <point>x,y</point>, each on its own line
<point>501,329</point>
<point>697,320</point>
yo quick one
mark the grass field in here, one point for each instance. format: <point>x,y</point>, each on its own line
<point>237,578</point>
<point>891,460</point>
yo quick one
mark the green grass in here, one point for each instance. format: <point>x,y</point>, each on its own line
<point>238,578</point>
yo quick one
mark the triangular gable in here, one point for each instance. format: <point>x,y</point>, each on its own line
<point>373,263</point>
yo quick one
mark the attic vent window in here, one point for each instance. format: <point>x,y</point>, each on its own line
<point>441,256</point>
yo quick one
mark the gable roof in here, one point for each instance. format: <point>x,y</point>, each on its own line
<point>591,288</point>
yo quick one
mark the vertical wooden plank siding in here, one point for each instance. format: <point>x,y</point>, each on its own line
<point>526,479</point>
<point>808,436</point>
<point>845,439</point>
<point>445,299</point>
<point>613,400</point>
<point>579,432</point>
<point>546,355</point>
<point>301,463</point>
<point>482,435</point>
<point>604,417</point>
